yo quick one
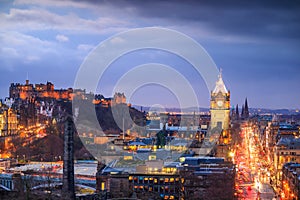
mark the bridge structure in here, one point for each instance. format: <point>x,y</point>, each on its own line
<point>36,180</point>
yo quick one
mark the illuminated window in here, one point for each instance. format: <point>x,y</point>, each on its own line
<point>102,186</point>
<point>152,157</point>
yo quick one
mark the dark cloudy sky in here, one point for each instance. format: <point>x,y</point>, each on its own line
<point>256,43</point>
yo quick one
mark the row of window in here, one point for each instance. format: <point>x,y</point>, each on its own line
<point>6,183</point>
<point>156,188</point>
<point>154,180</point>
<point>288,153</point>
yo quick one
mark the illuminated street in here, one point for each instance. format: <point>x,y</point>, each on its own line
<point>251,181</point>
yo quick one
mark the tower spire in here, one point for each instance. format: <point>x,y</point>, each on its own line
<point>220,73</point>
<point>243,112</point>
<point>237,113</point>
<point>220,86</point>
<point>246,109</point>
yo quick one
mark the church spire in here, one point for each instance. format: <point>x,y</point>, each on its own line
<point>237,113</point>
<point>246,109</point>
<point>243,112</point>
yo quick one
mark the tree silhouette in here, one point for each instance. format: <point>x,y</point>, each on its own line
<point>161,138</point>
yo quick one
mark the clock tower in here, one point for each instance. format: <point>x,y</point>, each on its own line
<point>220,105</point>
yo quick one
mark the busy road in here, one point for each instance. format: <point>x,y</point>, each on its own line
<point>251,180</point>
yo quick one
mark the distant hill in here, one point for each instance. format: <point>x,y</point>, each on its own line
<point>201,109</point>
<point>273,111</point>
<point>185,110</point>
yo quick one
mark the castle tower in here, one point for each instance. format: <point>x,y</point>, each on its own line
<point>220,105</point>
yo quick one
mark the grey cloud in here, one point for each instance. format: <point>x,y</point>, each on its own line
<point>260,19</point>
<point>279,19</point>
<point>41,19</point>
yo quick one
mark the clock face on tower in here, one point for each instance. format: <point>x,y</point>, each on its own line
<point>220,103</point>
